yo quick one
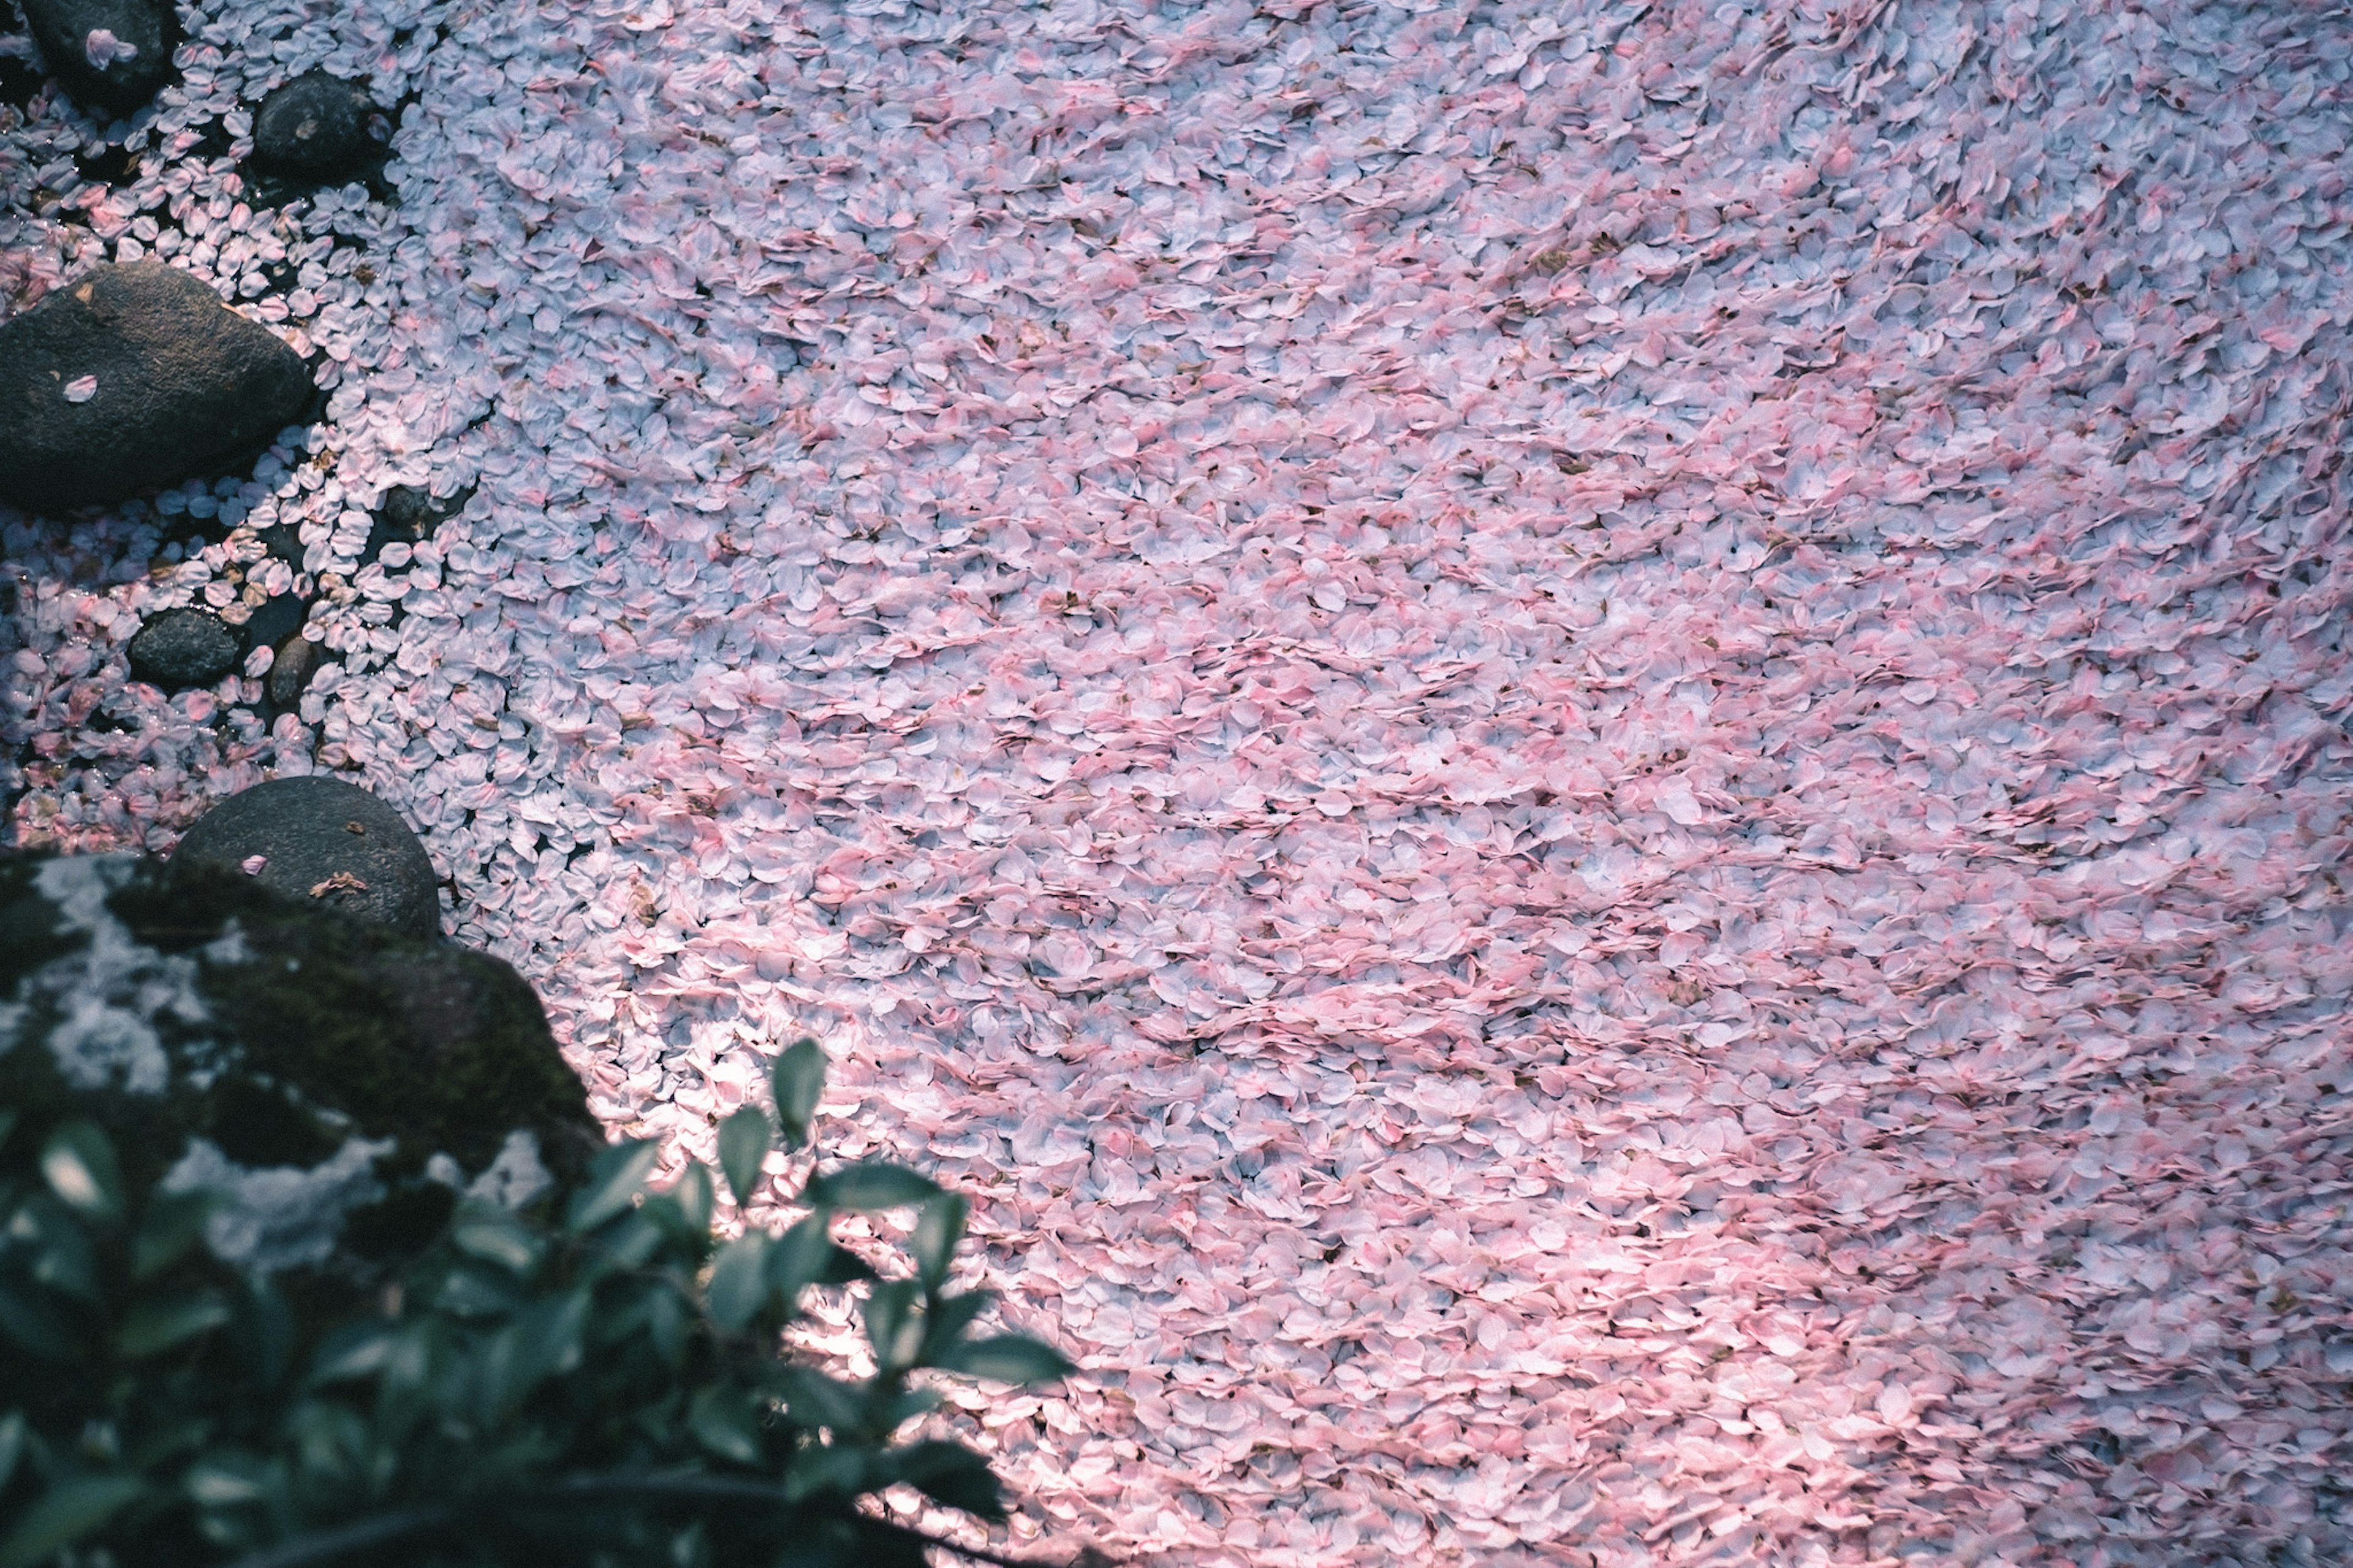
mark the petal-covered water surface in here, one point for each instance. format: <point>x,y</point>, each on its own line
<point>1589,760</point>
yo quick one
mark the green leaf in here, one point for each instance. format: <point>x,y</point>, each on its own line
<point>739,1280</point>
<point>80,1163</point>
<point>12,1445</point>
<point>543,1341</point>
<point>950,1473</point>
<point>632,1242</point>
<point>174,1221</point>
<point>159,1324</point>
<point>357,1349</point>
<point>226,1481</point>
<point>692,1194</point>
<point>798,1258</point>
<point>495,1236</point>
<point>798,1081</point>
<point>469,1290</point>
<point>949,1317</point>
<point>874,1185</point>
<point>60,1248</point>
<point>37,1325</point>
<point>843,1267</point>
<point>836,1471</point>
<point>264,1331</point>
<point>938,1227</point>
<point>816,1400</point>
<point>743,1139</point>
<point>892,1326</point>
<point>727,1422</point>
<point>1008,1358</point>
<point>668,1326</point>
<point>71,1510</point>
<point>614,1182</point>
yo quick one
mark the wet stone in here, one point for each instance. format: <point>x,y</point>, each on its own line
<point>324,841</point>
<point>184,647</point>
<point>316,127</point>
<point>111,55</point>
<point>133,377</point>
<point>297,661</point>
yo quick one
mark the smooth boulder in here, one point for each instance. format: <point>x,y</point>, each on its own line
<point>314,128</point>
<point>180,648</point>
<point>326,843</point>
<point>133,377</point>
<point>110,54</point>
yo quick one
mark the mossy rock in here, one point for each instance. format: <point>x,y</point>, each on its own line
<point>231,1038</point>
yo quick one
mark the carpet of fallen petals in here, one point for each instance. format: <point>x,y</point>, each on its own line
<point>1590,758</point>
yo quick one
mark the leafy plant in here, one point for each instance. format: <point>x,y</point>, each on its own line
<point>593,1381</point>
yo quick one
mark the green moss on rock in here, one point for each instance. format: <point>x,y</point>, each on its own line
<point>187,1003</point>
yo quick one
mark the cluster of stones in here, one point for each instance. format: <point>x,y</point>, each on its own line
<point>273,1016</point>
<point>136,376</point>
<point>312,907</point>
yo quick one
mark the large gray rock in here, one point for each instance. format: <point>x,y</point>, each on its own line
<point>332,1081</point>
<point>133,377</point>
<point>111,55</point>
<point>325,842</point>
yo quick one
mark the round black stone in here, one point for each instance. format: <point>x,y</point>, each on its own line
<point>298,659</point>
<point>184,647</point>
<point>135,376</point>
<point>314,126</point>
<point>125,83</point>
<point>328,843</point>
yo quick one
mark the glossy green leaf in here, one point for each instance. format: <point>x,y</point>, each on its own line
<point>56,1248</point>
<point>839,1470</point>
<point>949,1317</point>
<point>158,1324</point>
<point>174,1223</point>
<point>1008,1358</point>
<point>80,1166</point>
<point>798,1258</point>
<point>938,1227</point>
<point>843,1267</point>
<point>816,1400</point>
<point>739,1280</point>
<point>614,1182</point>
<point>727,1422</point>
<point>545,1340</point>
<point>893,1328</point>
<point>694,1193</point>
<point>358,1350</point>
<point>743,1141</point>
<point>798,1081</point>
<point>472,1290</point>
<point>668,1326</point>
<point>952,1474</point>
<point>496,1236</point>
<point>12,1445</point>
<point>860,1189</point>
<point>66,1512</point>
<point>226,1481</point>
